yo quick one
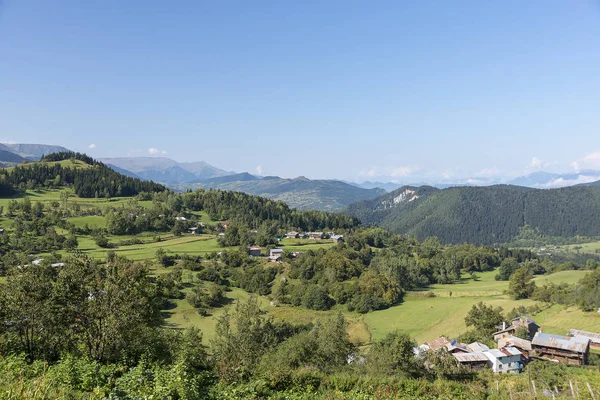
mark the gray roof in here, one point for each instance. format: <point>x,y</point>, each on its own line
<point>516,342</point>
<point>594,337</point>
<point>470,357</point>
<point>478,347</point>
<point>575,344</point>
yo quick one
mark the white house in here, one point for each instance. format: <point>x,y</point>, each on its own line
<point>506,360</point>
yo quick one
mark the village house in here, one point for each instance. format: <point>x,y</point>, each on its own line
<point>516,323</point>
<point>275,254</point>
<point>316,235</point>
<point>565,349</point>
<point>523,345</point>
<point>506,360</point>
<point>593,337</point>
<point>292,235</point>
<point>437,344</point>
<point>337,238</point>
<point>195,230</point>
<point>473,361</point>
<point>254,251</point>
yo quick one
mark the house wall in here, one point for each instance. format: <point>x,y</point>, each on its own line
<point>566,357</point>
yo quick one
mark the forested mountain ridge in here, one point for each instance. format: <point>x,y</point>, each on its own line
<point>301,192</point>
<point>483,215</point>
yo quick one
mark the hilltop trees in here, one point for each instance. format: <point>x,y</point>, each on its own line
<point>95,180</point>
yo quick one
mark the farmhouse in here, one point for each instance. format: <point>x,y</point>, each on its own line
<point>516,323</point>
<point>254,251</point>
<point>316,235</point>
<point>275,254</point>
<point>569,350</point>
<point>292,235</point>
<point>437,344</point>
<point>593,337</point>
<point>337,238</point>
<point>506,360</point>
<point>523,345</point>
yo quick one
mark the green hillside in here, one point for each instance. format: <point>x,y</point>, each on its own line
<point>483,215</point>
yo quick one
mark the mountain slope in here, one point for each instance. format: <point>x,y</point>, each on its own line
<point>484,215</point>
<point>32,151</point>
<point>123,171</point>
<point>301,193</point>
<point>165,170</point>
<point>9,158</point>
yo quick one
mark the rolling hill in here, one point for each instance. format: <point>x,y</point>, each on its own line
<point>301,193</point>
<point>483,215</point>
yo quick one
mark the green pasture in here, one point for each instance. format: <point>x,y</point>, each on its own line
<point>590,248</point>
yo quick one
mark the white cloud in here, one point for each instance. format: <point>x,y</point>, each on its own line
<point>154,151</point>
<point>589,161</point>
<point>389,172</point>
<point>562,182</point>
<point>536,164</point>
<point>259,169</point>
<point>488,172</point>
<point>92,146</point>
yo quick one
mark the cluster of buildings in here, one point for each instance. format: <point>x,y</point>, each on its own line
<point>276,255</point>
<point>315,235</point>
<point>513,353</point>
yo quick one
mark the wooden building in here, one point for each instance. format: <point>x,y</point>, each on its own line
<point>565,349</point>
<point>594,337</point>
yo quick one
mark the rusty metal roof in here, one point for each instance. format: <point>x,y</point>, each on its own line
<point>594,337</point>
<point>470,357</point>
<point>574,344</point>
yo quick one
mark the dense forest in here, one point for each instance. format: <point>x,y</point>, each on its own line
<point>93,180</point>
<point>484,215</point>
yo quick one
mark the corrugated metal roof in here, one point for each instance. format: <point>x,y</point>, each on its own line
<point>470,357</point>
<point>575,344</point>
<point>594,337</point>
<point>495,353</point>
<point>510,351</point>
<point>516,342</point>
<point>477,347</point>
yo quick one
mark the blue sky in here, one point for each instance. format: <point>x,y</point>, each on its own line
<point>356,90</point>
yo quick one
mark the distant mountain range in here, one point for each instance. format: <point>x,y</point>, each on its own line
<point>17,153</point>
<point>165,170</point>
<point>483,215</point>
<point>548,180</point>
<point>301,192</point>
